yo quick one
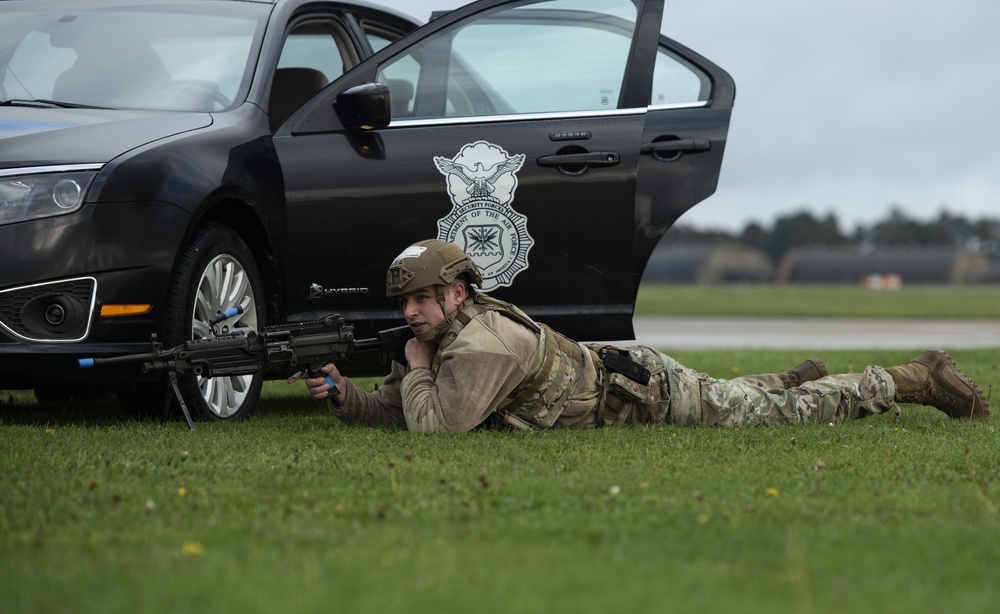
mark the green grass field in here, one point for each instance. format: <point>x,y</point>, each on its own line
<point>831,301</point>
<point>293,512</point>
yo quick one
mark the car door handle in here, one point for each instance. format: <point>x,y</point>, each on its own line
<point>590,158</point>
<point>677,146</point>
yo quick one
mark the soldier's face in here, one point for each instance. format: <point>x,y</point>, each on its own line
<point>422,310</point>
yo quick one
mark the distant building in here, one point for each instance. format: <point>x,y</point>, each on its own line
<point>887,268</point>
<point>911,265</point>
<point>708,263</point>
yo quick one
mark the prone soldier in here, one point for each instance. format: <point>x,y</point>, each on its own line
<point>478,361</point>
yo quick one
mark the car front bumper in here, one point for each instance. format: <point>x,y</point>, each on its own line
<point>58,274</point>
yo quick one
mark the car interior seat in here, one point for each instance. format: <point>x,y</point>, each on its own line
<point>291,88</point>
<point>401,93</point>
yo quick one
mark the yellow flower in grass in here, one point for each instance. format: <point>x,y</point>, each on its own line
<point>772,492</point>
<point>192,548</point>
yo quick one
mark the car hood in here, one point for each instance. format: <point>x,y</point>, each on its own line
<point>39,137</point>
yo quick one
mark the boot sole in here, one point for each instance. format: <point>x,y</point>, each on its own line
<point>979,399</point>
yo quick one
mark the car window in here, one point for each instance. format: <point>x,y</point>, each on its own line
<point>320,44</point>
<point>31,70</point>
<point>570,55</point>
<point>403,76</point>
<point>208,60</point>
<point>677,81</point>
<point>315,52</point>
<point>378,37</point>
<point>126,58</point>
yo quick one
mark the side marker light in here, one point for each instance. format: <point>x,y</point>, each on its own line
<point>117,311</point>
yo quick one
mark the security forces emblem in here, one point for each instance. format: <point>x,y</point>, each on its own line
<point>482,180</point>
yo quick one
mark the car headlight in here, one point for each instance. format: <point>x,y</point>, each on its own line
<point>34,195</point>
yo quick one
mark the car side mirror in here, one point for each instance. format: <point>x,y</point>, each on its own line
<point>364,107</point>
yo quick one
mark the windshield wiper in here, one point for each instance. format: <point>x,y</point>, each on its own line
<point>42,103</point>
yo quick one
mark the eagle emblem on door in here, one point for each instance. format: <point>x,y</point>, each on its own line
<point>481,181</point>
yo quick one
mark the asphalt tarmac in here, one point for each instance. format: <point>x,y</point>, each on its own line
<point>702,333</point>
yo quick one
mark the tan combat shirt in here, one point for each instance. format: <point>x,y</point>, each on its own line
<point>487,359</point>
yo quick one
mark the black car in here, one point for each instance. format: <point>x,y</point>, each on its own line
<point>164,161</point>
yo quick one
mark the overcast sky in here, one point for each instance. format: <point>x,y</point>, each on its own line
<point>846,106</point>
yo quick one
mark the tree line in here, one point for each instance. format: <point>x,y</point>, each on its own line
<point>802,228</point>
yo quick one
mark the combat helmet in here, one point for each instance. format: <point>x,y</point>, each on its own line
<point>429,263</point>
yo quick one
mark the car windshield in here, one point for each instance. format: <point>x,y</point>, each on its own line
<point>136,57</point>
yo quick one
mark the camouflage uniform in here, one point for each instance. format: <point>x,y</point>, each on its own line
<point>754,400</point>
<point>487,372</point>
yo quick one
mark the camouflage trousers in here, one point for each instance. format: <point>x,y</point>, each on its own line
<point>684,397</point>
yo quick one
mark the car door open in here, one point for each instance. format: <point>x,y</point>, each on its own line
<point>517,131</point>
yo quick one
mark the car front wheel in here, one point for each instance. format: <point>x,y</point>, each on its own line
<point>216,272</point>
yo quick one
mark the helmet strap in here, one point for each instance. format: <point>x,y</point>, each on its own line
<point>439,330</point>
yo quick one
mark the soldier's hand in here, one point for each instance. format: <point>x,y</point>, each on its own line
<point>419,353</point>
<point>317,385</point>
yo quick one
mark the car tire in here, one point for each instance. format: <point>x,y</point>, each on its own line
<point>216,272</point>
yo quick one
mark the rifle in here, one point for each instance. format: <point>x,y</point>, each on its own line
<point>305,340</point>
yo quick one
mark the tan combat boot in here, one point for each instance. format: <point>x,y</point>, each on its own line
<point>810,370</point>
<point>933,379</point>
